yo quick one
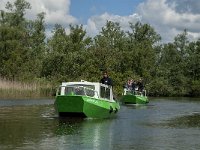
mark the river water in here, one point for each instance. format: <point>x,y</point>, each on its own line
<point>165,123</point>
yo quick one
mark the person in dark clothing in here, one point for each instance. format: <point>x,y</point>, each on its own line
<point>134,84</point>
<point>106,79</point>
<point>140,86</point>
<point>128,85</point>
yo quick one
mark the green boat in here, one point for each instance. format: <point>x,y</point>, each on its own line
<point>85,99</point>
<point>129,97</point>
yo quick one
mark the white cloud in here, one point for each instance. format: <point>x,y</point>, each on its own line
<point>57,12</point>
<point>167,20</point>
<point>168,17</point>
<point>95,23</point>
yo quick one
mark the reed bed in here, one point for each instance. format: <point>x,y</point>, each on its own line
<point>19,90</point>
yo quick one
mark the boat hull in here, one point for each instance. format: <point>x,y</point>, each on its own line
<point>134,99</point>
<point>84,106</point>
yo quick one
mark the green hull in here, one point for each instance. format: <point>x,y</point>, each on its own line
<point>134,99</point>
<point>84,106</point>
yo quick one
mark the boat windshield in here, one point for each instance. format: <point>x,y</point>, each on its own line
<point>87,90</point>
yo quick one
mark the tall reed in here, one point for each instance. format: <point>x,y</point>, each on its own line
<point>19,90</point>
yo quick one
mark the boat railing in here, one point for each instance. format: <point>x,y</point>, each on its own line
<point>136,92</point>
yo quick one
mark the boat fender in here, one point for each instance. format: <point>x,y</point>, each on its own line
<point>111,110</point>
<point>116,110</point>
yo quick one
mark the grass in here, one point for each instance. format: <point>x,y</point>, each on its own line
<point>19,90</point>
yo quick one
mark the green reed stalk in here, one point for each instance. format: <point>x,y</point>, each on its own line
<point>19,90</point>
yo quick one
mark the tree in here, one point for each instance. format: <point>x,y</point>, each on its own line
<point>109,45</point>
<point>193,63</point>
<point>36,31</point>
<point>66,53</point>
<point>143,32</point>
<point>193,68</point>
<point>13,40</point>
<point>142,49</point>
<point>173,62</point>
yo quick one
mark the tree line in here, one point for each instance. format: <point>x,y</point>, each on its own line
<point>26,54</point>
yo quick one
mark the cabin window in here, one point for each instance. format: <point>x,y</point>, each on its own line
<point>105,92</point>
<point>69,90</point>
<point>89,92</point>
<point>79,90</point>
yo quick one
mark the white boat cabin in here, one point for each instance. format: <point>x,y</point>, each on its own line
<point>91,89</point>
<point>134,92</point>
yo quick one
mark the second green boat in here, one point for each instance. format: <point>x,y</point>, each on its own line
<point>129,97</point>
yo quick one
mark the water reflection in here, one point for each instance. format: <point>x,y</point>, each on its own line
<point>89,133</point>
<point>67,126</point>
<point>98,134</point>
<point>184,121</point>
<point>187,121</point>
<point>19,125</point>
<point>137,106</point>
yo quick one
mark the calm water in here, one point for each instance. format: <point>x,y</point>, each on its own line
<point>165,123</point>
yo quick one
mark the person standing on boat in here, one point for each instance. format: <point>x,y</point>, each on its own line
<point>134,85</point>
<point>128,85</point>
<point>106,79</point>
<point>140,85</point>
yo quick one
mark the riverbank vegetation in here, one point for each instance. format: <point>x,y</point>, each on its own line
<point>20,90</point>
<point>27,56</point>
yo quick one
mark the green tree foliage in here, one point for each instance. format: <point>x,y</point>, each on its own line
<point>66,54</point>
<point>174,64</point>
<point>20,43</point>
<point>142,49</point>
<point>14,38</point>
<point>168,69</point>
<point>35,54</point>
<point>108,52</point>
<point>193,68</point>
<point>108,46</point>
<point>55,62</point>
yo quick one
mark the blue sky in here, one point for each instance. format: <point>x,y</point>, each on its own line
<point>168,17</point>
<point>83,9</point>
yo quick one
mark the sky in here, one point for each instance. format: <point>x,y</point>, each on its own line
<point>168,17</point>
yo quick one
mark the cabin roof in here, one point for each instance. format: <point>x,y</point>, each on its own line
<point>84,83</point>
